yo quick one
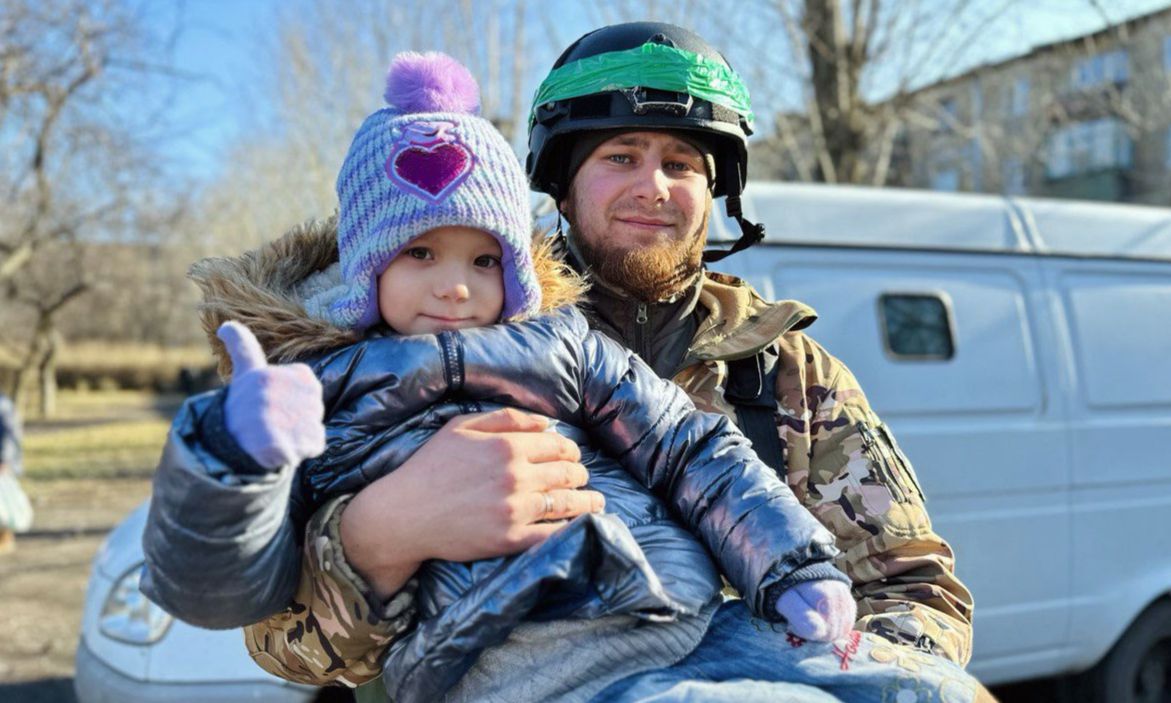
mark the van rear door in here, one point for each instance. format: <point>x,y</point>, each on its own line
<point>1118,316</point>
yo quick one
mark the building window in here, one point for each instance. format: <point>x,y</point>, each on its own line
<point>976,100</point>
<point>946,180</point>
<point>1167,152</point>
<point>1018,97</point>
<point>916,326</point>
<point>1013,177</point>
<point>1109,68</point>
<point>1058,160</point>
<point>976,164</point>
<point>949,115</point>
<point>1084,147</point>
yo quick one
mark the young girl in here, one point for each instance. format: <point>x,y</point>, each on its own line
<point>434,247</point>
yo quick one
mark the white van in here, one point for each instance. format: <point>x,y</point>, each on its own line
<point>1021,351</point>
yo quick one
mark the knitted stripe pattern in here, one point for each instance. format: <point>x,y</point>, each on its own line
<point>406,174</point>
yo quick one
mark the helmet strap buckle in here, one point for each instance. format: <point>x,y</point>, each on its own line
<point>641,105</point>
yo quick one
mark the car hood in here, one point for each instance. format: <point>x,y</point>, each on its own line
<point>123,547</point>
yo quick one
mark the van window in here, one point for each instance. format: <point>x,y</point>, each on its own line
<point>916,326</point>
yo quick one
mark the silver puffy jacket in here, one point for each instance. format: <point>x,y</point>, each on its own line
<point>386,395</point>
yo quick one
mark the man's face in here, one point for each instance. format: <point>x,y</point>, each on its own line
<point>638,208</point>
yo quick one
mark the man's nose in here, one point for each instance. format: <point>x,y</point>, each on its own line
<point>651,182</point>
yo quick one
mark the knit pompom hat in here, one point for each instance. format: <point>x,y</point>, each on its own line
<point>426,161</point>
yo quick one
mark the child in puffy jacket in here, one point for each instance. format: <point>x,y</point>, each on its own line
<point>434,249</point>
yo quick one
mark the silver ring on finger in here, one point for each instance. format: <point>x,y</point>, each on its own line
<point>548,504</point>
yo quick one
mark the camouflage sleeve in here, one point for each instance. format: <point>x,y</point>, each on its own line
<point>862,487</point>
<point>335,631</point>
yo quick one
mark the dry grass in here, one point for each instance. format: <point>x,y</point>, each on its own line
<point>99,434</point>
<point>108,366</point>
<point>103,406</point>
<point>100,355</point>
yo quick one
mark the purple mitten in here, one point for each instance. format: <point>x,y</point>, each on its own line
<point>273,412</point>
<point>819,610</point>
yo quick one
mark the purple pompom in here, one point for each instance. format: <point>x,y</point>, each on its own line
<point>431,82</point>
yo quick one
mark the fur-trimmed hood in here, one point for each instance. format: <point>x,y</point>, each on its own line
<point>272,290</point>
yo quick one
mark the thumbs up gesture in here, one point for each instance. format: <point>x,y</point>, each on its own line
<point>274,412</point>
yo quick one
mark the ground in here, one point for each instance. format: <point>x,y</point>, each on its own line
<point>85,471</point>
<point>42,583</point>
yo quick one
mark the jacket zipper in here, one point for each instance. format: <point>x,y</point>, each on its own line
<point>451,361</point>
<point>906,473</point>
<point>873,447</point>
<point>640,336</point>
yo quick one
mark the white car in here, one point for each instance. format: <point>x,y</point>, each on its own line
<point>130,650</point>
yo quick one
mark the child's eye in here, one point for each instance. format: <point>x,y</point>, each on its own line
<point>421,253</point>
<point>487,261</point>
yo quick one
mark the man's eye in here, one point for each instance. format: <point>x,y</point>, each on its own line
<point>419,253</point>
<point>681,166</point>
<point>619,158</point>
<point>487,261</point>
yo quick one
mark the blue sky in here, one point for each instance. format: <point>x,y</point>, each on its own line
<point>216,53</point>
<point>220,48</point>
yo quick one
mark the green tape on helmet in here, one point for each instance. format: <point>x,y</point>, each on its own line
<point>654,66</point>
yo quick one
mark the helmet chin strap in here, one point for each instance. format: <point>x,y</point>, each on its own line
<point>750,232</point>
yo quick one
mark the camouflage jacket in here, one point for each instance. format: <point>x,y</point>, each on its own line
<point>841,462</point>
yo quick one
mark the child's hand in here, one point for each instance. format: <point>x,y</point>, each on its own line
<point>819,610</point>
<point>273,412</point>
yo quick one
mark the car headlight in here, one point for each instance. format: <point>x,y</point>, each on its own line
<point>129,616</point>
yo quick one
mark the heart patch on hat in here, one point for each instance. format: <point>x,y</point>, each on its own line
<point>429,160</point>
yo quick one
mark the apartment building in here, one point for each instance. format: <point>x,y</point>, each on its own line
<point>1088,117</point>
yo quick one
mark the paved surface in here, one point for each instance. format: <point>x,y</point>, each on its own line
<point>42,582</point>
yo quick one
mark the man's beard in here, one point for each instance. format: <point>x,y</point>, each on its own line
<point>652,273</point>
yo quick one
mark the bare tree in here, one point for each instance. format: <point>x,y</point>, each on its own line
<point>76,169</point>
<point>323,74</point>
<point>832,81</point>
<point>1085,117</point>
<point>40,358</point>
<point>858,64</point>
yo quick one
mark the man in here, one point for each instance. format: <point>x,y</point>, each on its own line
<point>634,171</point>
<point>636,130</point>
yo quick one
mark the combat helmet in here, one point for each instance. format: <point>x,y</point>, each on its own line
<point>644,75</point>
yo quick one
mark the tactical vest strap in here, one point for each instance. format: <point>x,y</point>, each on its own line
<point>751,389</point>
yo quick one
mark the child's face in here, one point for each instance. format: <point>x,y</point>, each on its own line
<point>446,278</point>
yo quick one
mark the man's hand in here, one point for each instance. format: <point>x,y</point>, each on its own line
<point>484,486</point>
<point>819,610</point>
<point>275,413</point>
